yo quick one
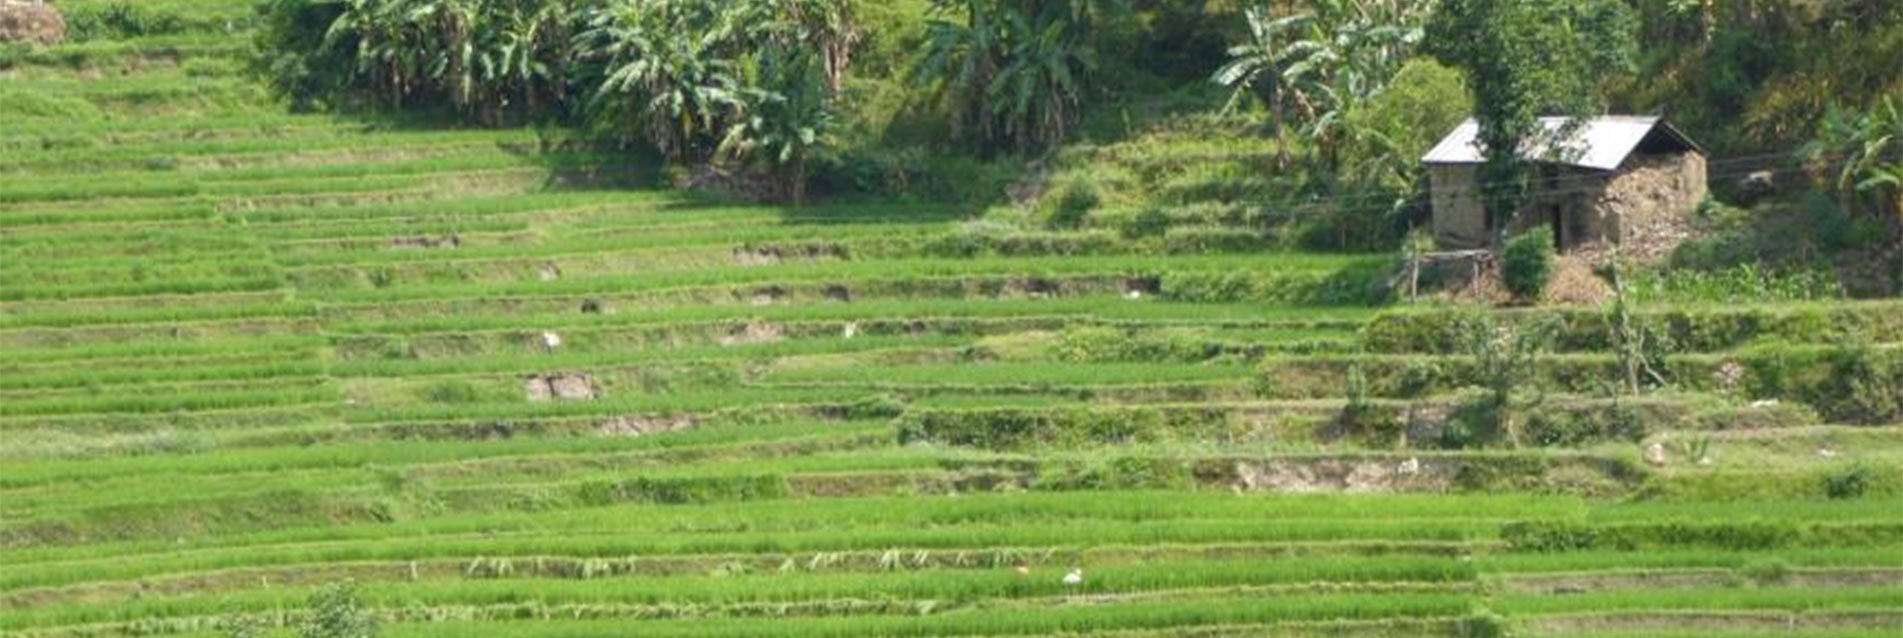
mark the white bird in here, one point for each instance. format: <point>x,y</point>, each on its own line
<point>1074,578</point>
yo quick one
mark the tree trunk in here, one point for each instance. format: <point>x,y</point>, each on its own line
<point>797,180</point>
<point>1281,134</point>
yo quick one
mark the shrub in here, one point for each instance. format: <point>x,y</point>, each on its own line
<point>121,21</point>
<point>335,612</point>
<point>1069,205</point>
<point>878,406</point>
<point>1149,222</point>
<point>1475,422</point>
<point>452,392</point>
<point>1865,384</point>
<point>683,490</point>
<point>1549,536</point>
<point>1505,358</point>
<point>1575,428</point>
<point>1766,572</point>
<point>1848,484</point>
<point>1528,264</point>
<point>1210,287</point>
<point>1212,239</point>
<point>245,627</point>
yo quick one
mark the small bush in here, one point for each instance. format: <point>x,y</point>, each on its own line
<point>1766,572</point>
<point>452,393</point>
<point>122,21</point>
<point>1210,287</point>
<point>1474,423</point>
<point>1849,484</point>
<point>1549,536</point>
<point>878,406</point>
<point>1067,207</point>
<point>335,612</point>
<point>1528,264</point>
<point>245,627</point>
<point>1213,239</point>
<point>1149,222</point>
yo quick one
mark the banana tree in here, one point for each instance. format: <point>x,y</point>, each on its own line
<point>787,121</point>
<point>1864,151</point>
<point>1254,69</point>
<point>1012,73</point>
<point>664,75</point>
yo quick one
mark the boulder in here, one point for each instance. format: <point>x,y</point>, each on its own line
<point>1655,454</point>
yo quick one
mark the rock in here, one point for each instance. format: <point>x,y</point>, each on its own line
<point>561,386</point>
<point>1340,475</point>
<point>549,272</point>
<point>1756,186</point>
<point>1729,376</point>
<point>427,241</point>
<point>1655,454</point>
<point>766,256</point>
<point>768,296</point>
<point>631,426</point>
<point>756,332</point>
<point>31,22</point>
<point>1409,467</point>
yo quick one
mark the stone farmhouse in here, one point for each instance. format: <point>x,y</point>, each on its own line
<point>1624,180</point>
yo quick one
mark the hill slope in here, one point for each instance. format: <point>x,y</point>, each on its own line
<point>247,353</point>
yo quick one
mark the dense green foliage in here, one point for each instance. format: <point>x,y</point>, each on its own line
<point>1525,60</point>
<point>1527,264</point>
<point>336,612</point>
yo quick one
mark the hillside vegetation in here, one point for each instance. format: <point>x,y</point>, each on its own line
<point>494,374</point>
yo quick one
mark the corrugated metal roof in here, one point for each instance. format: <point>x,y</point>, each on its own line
<point>1601,143</point>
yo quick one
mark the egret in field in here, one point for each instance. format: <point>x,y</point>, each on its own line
<point>1074,579</point>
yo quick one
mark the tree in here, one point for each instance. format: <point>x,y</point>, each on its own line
<point>487,59</point>
<point>1013,73</point>
<point>786,122</point>
<point>1254,69</point>
<point>1863,153</point>
<point>703,78</point>
<point>668,73</point>
<point>1640,346</point>
<point>1325,62</point>
<point>1505,357</point>
<point>1525,60</point>
<point>1384,138</point>
<point>1350,52</point>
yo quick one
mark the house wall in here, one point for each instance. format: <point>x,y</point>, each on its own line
<point>1572,194</point>
<point>1651,202</point>
<point>1460,216</point>
<point>1460,221</point>
<point>1645,206</point>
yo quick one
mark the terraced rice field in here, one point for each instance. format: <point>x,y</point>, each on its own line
<point>244,353</point>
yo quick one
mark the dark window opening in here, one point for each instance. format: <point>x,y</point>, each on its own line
<point>1556,216</point>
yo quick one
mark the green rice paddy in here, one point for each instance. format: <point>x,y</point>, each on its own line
<point>245,353</point>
